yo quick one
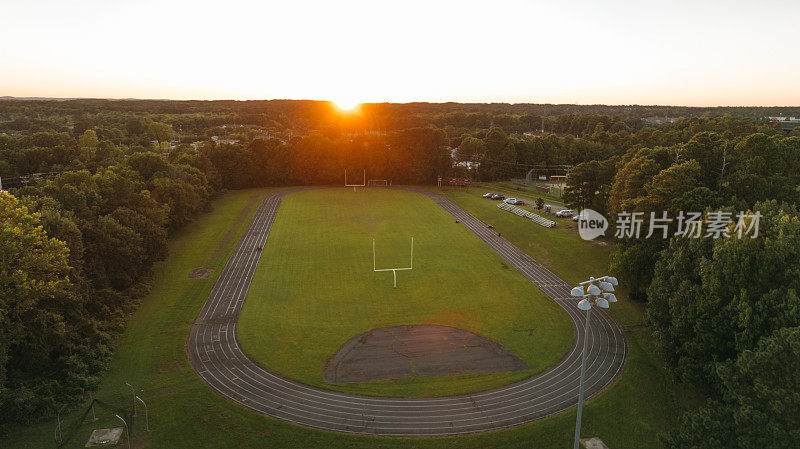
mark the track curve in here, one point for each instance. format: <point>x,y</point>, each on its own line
<point>215,354</point>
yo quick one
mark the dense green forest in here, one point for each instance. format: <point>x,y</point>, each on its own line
<point>97,187</point>
<point>719,309</point>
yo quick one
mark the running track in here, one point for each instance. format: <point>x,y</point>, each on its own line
<point>217,358</point>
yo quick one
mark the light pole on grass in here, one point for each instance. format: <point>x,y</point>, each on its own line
<point>133,392</point>
<point>127,429</point>
<point>146,418</point>
<point>595,291</point>
<point>58,434</point>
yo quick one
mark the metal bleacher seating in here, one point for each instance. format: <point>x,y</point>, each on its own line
<point>529,215</point>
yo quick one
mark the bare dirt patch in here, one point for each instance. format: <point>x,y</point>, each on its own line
<point>418,350</point>
<point>200,273</point>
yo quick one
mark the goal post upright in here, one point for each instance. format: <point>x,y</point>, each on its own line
<point>412,253</point>
<point>363,184</point>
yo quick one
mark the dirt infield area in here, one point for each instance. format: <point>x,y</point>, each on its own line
<point>418,350</point>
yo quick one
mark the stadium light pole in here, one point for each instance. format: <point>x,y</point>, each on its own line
<point>597,292</point>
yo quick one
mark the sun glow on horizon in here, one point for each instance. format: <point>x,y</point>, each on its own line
<point>705,53</point>
<point>347,104</point>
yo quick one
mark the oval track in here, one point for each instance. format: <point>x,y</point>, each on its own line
<point>214,353</point>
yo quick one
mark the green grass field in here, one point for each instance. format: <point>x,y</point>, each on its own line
<point>315,289</point>
<point>560,249</point>
<point>184,413</point>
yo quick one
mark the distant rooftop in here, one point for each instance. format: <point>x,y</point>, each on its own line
<point>659,120</point>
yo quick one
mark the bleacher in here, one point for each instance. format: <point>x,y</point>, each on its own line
<point>529,215</point>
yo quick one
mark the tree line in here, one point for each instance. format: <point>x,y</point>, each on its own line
<point>724,312</point>
<point>77,250</point>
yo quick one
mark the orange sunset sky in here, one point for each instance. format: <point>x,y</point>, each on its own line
<point>613,52</point>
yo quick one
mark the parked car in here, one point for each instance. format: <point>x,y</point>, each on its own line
<point>565,213</point>
<point>488,195</point>
<point>513,201</point>
<point>579,218</point>
<point>498,196</point>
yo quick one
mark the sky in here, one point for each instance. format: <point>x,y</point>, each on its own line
<point>695,53</point>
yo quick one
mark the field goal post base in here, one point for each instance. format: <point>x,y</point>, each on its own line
<point>393,270</point>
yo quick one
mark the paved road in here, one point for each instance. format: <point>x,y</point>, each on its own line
<point>218,359</point>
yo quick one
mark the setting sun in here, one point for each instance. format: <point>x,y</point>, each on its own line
<point>346,104</point>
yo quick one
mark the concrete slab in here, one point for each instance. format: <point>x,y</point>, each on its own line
<point>105,437</point>
<point>418,350</point>
<point>593,443</point>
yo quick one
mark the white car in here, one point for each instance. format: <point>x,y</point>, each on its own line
<point>513,201</point>
<point>579,218</point>
<point>565,213</point>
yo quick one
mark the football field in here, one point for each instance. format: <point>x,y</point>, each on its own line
<point>315,289</point>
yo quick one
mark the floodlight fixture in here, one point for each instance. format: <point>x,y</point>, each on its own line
<point>577,291</point>
<point>610,297</point>
<point>594,290</point>
<point>607,286</point>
